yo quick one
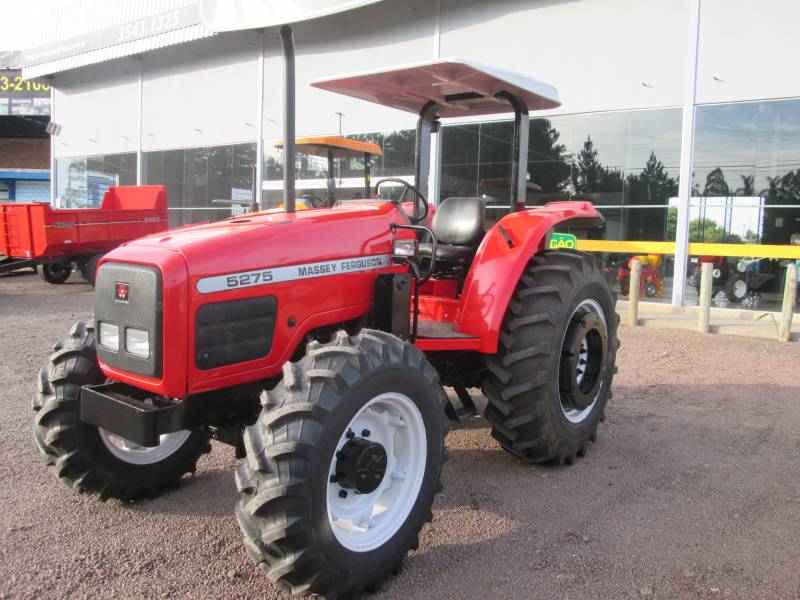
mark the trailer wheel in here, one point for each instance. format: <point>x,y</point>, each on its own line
<point>89,268</point>
<point>550,380</point>
<point>56,272</point>
<point>342,465</point>
<point>89,459</point>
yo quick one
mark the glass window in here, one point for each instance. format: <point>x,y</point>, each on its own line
<point>460,147</point>
<point>746,190</point>
<point>312,171</point>
<point>626,163</point>
<point>203,184</point>
<point>81,181</point>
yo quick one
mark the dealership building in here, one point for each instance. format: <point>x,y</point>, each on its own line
<point>680,120</point>
<point>24,142</point>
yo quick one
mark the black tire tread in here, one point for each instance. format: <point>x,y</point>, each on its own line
<point>271,479</point>
<point>89,268</point>
<point>518,380</point>
<point>46,275</point>
<point>56,428</point>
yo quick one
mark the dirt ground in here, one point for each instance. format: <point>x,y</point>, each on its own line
<point>691,491</point>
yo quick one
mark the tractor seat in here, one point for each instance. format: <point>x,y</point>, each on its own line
<point>458,226</point>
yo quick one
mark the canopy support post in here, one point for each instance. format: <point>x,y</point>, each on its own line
<point>367,182</point>
<point>331,183</point>
<point>519,150</point>
<point>287,43</point>
<point>427,124</point>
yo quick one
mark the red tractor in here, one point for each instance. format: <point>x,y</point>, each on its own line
<point>317,344</point>
<point>651,282</point>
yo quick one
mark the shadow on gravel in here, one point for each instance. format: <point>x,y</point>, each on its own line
<point>471,423</point>
<point>204,494</point>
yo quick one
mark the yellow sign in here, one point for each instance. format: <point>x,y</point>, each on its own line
<point>562,241</point>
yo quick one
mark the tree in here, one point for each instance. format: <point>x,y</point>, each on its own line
<point>707,230</point>
<point>704,230</point>
<point>748,188</point>
<point>589,172</point>
<point>590,176</point>
<point>716,184</point>
<point>781,190</point>
<point>548,165</point>
<point>672,223</point>
<point>653,185</point>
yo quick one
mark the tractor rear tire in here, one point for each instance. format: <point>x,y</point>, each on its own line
<point>84,457</point>
<point>89,268</point>
<point>544,403</point>
<point>56,272</point>
<point>306,509</point>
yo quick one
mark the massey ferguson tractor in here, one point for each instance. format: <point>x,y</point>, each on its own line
<point>317,344</point>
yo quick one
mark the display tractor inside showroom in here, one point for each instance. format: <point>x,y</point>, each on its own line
<point>333,148</point>
<point>318,342</point>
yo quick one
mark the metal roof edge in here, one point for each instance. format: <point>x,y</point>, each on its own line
<point>133,47</point>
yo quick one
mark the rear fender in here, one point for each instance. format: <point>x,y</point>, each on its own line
<point>501,258</point>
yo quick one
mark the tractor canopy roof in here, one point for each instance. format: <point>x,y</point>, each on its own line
<point>341,147</point>
<point>461,87</point>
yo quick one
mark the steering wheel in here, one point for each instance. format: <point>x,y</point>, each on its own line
<point>313,201</point>
<point>419,198</point>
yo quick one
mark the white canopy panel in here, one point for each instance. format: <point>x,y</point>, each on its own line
<point>461,87</point>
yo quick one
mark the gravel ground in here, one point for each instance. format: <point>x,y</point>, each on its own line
<point>690,492</point>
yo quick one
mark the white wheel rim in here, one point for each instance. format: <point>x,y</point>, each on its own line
<point>573,414</point>
<point>132,453</point>
<point>740,288</point>
<point>363,522</point>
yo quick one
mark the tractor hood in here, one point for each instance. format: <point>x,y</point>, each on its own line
<point>273,238</point>
<point>228,302</point>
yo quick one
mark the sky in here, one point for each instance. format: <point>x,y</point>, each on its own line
<point>15,13</point>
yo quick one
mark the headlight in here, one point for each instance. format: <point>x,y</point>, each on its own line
<point>137,342</point>
<point>109,336</point>
<point>404,248</point>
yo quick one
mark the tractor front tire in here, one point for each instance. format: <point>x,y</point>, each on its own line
<point>56,272</point>
<point>89,268</point>
<point>736,288</point>
<point>88,459</point>
<point>550,380</point>
<point>343,465</point>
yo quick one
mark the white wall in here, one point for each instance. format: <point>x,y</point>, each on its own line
<point>596,52</point>
<point>202,93</point>
<point>389,33</point>
<point>97,108</point>
<point>751,46</point>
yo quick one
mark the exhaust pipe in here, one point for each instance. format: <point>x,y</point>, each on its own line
<point>287,42</point>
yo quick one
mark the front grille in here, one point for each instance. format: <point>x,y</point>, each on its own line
<point>139,307</point>
<point>231,332</point>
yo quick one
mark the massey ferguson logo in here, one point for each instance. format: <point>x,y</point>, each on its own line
<point>121,292</point>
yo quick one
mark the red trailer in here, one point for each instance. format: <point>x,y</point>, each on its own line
<point>35,235</point>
